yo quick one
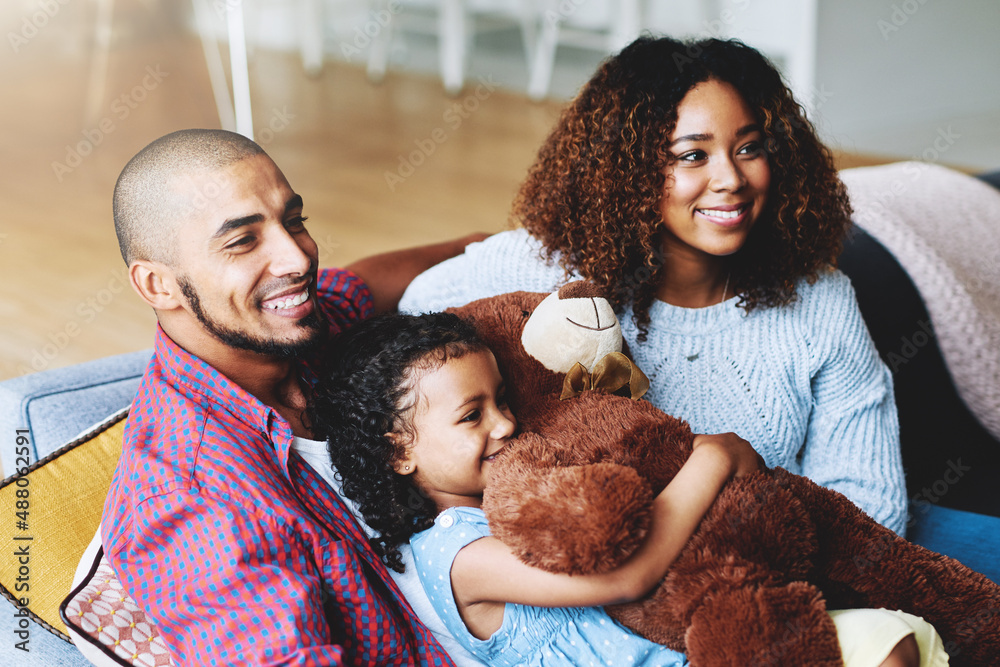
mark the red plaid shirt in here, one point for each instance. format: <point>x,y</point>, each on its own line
<point>232,544</point>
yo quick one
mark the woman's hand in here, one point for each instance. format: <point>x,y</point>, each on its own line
<point>743,458</point>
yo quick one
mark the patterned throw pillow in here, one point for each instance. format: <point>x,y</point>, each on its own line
<point>105,623</point>
<point>57,503</point>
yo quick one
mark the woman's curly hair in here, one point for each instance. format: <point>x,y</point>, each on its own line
<point>366,378</point>
<point>594,192</point>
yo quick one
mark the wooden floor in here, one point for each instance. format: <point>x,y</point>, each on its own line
<point>63,295</point>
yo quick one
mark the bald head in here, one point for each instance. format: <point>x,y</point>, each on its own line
<point>159,188</point>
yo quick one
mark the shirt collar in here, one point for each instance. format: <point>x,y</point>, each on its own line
<point>196,375</point>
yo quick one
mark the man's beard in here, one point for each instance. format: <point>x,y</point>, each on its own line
<point>243,341</point>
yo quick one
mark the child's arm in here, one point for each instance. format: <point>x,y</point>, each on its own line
<point>486,572</point>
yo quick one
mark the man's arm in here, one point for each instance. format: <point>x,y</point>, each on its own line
<point>388,274</point>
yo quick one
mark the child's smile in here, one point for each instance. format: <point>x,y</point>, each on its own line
<point>461,421</point>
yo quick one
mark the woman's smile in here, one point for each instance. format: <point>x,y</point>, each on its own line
<point>718,180</point>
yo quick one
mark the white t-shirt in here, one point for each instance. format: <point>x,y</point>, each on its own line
<point>315,454</point>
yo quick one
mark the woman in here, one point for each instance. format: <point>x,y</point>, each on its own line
<point>686,181</point>
<point>416,410</point>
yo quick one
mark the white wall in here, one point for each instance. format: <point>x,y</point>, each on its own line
<point>902,78</point>
<point>904,73</point>
<point>905,78</point>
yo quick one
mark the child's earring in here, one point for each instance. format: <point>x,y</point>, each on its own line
<point>400,467</point>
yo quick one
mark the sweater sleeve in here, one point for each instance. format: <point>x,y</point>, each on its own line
<point>505,262</point>
<point>852,443</point>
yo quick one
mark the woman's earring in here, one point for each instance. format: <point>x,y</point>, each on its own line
<point>406,467</point>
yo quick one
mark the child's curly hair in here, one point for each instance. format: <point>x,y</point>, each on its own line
<point>595,189</point>
<point>364,390</point>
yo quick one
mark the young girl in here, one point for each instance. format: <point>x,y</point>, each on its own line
<point>685,181</point>
<point>415,411</point>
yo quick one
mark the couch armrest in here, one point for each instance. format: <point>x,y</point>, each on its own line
<point>57,405</point>
<point>949,457</point>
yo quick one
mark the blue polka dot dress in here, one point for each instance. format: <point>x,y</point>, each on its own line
<point>536,636</point>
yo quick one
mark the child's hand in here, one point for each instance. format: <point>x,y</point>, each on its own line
<point>742,457</point>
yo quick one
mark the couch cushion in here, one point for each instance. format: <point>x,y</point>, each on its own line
<point>56,506</point>
<point>105,622</point>
<point>56,405</point>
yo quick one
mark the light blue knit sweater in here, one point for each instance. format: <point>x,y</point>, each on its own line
<point>803,383</point>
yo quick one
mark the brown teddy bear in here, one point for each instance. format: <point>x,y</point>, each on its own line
<point>774,552</point>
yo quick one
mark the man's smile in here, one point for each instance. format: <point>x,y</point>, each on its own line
<point>286,302</point>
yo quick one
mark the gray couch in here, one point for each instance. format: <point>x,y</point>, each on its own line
<point>56,406</point>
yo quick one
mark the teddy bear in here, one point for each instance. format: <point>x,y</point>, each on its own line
<point>573,492</point>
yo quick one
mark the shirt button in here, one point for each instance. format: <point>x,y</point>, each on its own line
<point>447,521</point>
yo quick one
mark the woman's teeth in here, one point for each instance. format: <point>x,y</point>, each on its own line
<point>290,302</point>
<point>727,215</point>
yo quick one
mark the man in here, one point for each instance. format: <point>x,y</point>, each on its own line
<point>224,534</point>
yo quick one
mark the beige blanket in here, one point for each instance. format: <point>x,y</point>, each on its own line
<point>943,227</point>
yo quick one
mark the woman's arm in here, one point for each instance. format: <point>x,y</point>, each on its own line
<point>388,274</point>
<point>487,571</point>
<point>505,262</point>
<point>852,443</point>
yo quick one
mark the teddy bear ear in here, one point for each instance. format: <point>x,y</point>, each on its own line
<point>581,289</point>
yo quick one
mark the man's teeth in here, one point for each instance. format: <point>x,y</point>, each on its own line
<point>290,302</point>
<point>714,213</point>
